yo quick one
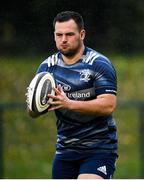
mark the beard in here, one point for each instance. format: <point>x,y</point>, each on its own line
<point>70,52</point>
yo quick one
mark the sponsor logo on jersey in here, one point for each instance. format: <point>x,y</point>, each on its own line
<point>65,87</point>
<point>79,95</point>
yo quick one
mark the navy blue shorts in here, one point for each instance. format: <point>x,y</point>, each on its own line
<point>102,164</point>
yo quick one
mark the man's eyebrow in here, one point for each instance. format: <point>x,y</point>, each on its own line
<point>68,33</point>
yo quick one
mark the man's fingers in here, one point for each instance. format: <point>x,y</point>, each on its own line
<point>54,102</point>
<point>54,108</point>
<point>58,89</point>
<point>53,97</point>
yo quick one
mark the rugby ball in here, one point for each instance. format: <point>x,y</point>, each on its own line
<point>37,92</point>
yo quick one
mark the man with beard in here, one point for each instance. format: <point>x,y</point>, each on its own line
<point>84,102</point>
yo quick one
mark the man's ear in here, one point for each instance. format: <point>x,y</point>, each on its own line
<point>82,34</point>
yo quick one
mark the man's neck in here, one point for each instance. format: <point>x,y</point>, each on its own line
<point>75,58</point>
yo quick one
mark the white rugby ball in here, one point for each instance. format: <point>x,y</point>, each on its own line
<point>37,92</point>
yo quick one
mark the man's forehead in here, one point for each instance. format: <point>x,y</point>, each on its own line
<point>66,26</point>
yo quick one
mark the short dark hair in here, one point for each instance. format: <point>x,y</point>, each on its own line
<point>68,15</point>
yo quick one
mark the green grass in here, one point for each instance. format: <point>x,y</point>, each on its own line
<point>128,164</point>
<point>130,77</point>
<point>29,144</point>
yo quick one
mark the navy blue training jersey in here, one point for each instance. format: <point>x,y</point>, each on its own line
<point>89,77</point>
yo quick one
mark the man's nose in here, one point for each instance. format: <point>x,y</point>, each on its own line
<point>64,38</point>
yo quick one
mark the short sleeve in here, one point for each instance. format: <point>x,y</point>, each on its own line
<point>105,77</point>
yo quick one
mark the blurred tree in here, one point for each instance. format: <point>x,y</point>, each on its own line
<point>26,26</point>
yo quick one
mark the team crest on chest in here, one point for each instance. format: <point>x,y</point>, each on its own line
<point>85,75</point>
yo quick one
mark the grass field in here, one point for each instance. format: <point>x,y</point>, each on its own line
<point>29,144</point>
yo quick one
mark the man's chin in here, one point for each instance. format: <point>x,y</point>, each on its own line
<point>68,53</point>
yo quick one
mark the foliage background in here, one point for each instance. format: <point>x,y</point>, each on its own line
<point>114,28</point>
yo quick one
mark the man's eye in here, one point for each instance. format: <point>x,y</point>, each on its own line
<point>70,34</point>
<point>59,35</point>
